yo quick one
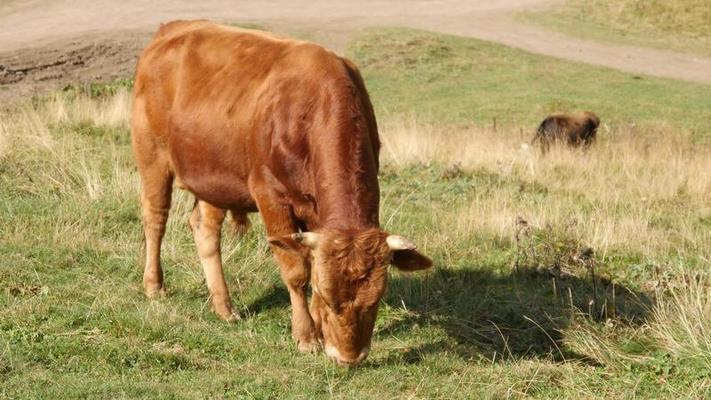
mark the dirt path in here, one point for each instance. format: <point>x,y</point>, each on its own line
<point>47,43</point>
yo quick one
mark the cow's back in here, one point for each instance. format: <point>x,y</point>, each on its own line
<point>203,69</point>
<point>572,128</point>
<point>216,97</point>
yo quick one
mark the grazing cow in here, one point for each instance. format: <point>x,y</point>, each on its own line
<point>574,129</point>
<point>249,122</point>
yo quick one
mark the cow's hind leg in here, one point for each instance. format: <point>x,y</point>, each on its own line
<point>240,222</point>
<point>157,177</point>
<point>206,224</point>
<point>156,189</point>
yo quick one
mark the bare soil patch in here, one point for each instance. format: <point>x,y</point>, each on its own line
<point>37,70</point>
<point>47,44</point>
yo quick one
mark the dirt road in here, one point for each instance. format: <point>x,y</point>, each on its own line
<point>47,43</point>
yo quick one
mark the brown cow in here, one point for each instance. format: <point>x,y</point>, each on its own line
<point>248,122</point>
<point>574,129</point>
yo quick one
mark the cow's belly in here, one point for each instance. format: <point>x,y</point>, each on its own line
<point>219,189</point>
<point>214,172</point>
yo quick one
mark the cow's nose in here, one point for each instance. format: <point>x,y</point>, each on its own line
<point>363,354</point>
<point>336,356</point>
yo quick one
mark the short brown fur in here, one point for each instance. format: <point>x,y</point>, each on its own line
<point>248,122</point>
<point>573,129</point>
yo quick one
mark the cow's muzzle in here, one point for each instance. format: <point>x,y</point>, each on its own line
<point>336,356</point>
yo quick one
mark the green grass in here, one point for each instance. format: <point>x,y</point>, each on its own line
<point>453,80</point>
<point>249,25</point>
<point>501,316</point>
<point>681,25</point>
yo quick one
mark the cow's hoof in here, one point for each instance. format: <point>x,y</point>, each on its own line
<point>230,317</point>
<point>154,291</point>
<point>226,313</point>
<point>308,346</point>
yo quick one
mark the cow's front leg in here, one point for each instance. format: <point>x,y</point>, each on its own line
<point>295,273</point>
<point>294,267</point>
<point>206,224</point>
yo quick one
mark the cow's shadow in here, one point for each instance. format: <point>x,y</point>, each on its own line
<point>514,314</point>
<point>490,315</point>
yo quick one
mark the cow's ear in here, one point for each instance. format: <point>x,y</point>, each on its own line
<point>404,255</point>
<point>410,260</point>
<point>298,242</point>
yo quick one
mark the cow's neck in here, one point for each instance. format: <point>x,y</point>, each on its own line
<point>346,180</point>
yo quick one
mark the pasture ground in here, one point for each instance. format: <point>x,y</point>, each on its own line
<point>512,309</point>
<point>681,25</point>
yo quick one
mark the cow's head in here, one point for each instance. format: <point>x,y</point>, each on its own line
<point>348,277</point>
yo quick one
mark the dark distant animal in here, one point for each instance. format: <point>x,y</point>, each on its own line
<point>573,129</point>
<point>249,122</point>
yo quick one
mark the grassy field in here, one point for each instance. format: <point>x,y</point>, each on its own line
<point>459,81</point>
<point>511,310</point>
<point>681,25</point>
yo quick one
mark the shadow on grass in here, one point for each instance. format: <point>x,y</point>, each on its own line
<point>276,296</point>
<point>513,315</point>
<point>491,316</point>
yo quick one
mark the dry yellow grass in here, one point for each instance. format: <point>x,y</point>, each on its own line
<point>40,143</point>
<point>682,317</point>
<point>638,190</point>
<point>111,111</point>
<point>26,133</point>
<point>622,192</point>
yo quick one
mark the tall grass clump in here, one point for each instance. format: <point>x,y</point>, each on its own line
<point>674,341</point>
<point>681,320</point>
